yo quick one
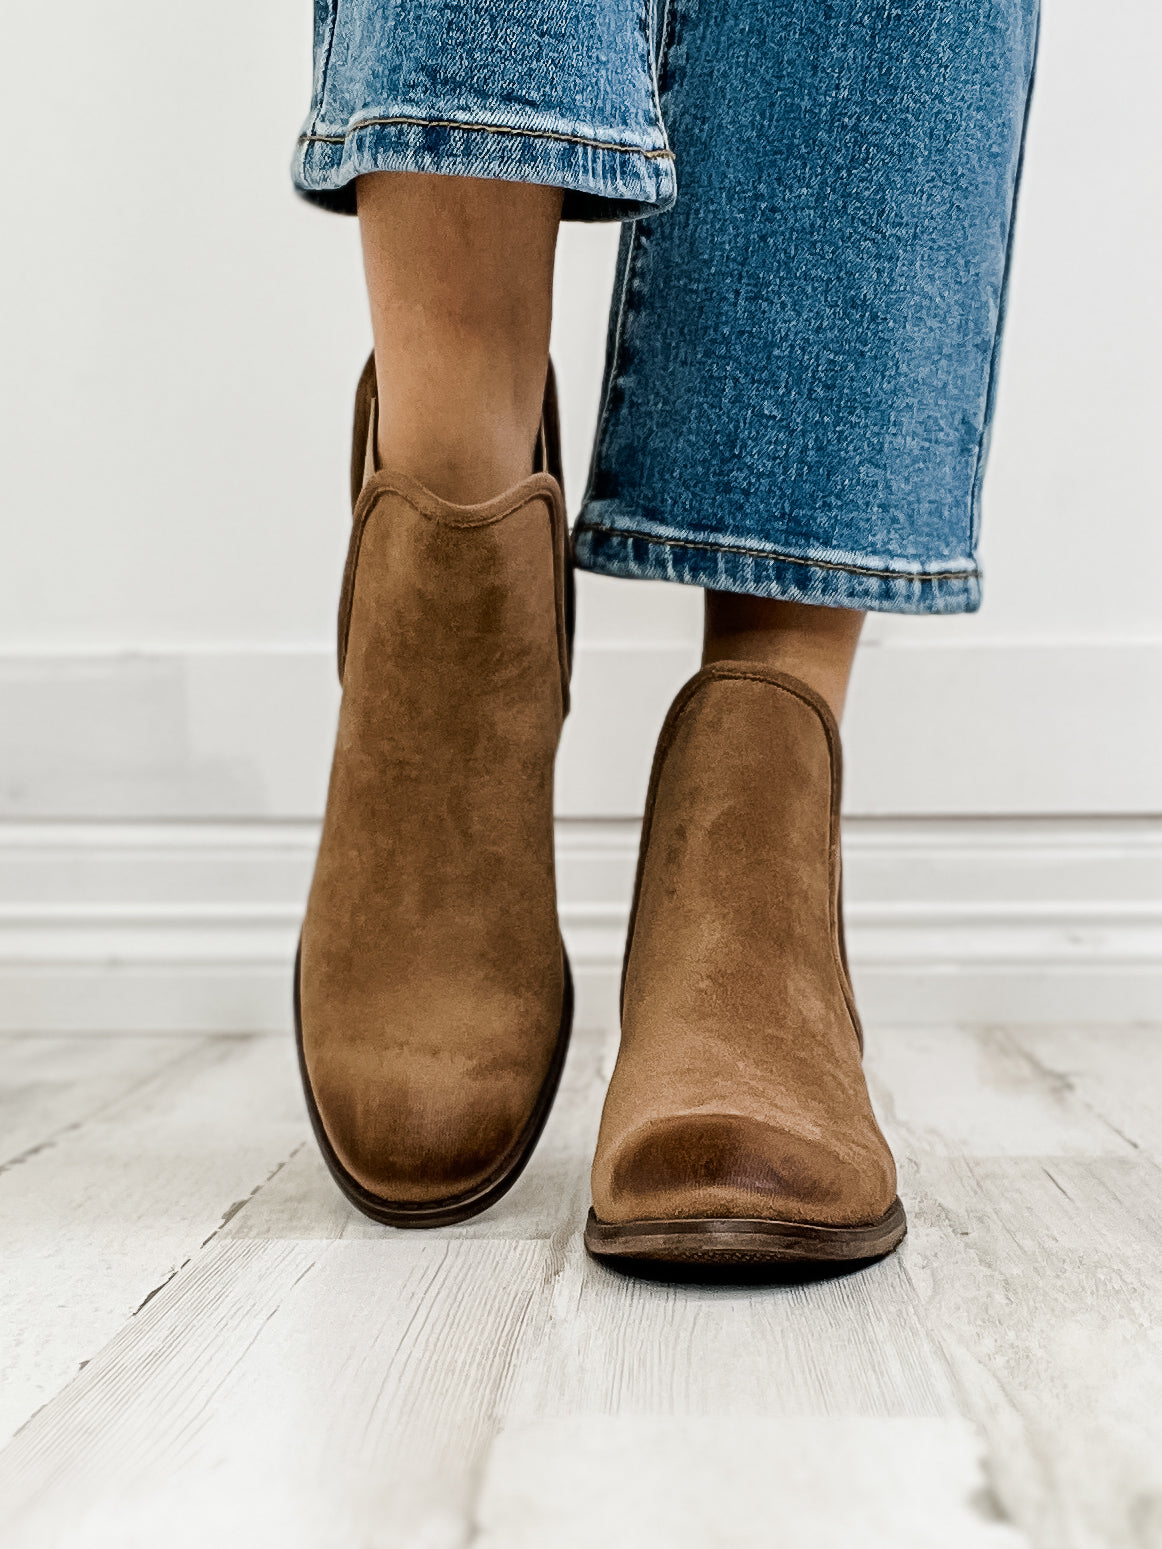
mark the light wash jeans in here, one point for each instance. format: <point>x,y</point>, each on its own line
<point>818,198</point>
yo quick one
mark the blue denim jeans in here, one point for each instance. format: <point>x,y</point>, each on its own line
<point>818,200</point>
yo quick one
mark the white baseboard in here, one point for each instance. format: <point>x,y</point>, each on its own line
<point>176,927</point>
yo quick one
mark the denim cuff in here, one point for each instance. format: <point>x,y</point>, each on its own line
<point>604,542</point>
<point>602,181</point>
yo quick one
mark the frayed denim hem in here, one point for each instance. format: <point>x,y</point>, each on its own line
<point>828,583</point>
<point>601,181</point>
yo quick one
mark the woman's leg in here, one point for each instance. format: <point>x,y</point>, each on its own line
<point>434,993</point>
<point>434,996</point>
<point>460,280</point>
<point>802,363</point>
<point>816,645</point>
<point>796,415</point>
<point>434,1002</point>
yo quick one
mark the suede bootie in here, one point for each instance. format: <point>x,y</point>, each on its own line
<point>433,999</point>
<point>737,1127</point>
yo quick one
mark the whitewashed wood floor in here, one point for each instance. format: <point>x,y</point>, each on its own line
<point>204,1345</point>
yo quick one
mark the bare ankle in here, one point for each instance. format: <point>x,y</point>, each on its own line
<point>461,459</point>
<point>461,420</point>
<point>814,644</point>
<point>460,275</point>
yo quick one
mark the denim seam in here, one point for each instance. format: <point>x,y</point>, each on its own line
<point>614,358</point>
<point>653,33</point>
<point>405,121</point>
<point>585,526</point>
<point>994,356</point>
<point>665,42</point>
<point>332,28</point>
<point>632,258</point>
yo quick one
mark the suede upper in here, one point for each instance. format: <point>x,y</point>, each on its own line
<point>432,973</point>
<point>739,1089</point>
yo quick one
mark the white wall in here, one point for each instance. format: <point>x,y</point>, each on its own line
<point>180,341</point>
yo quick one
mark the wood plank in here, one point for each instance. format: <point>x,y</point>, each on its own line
<point>613,1343</point>
<point>304,1395</point>
<point>1038,1274</point>
<point>94,1225</point>
<point>50,1085</point>
<point>687,1483</point>
<point>1039,1279</point>
<point>1115,1072</point>
<point>308,1378</point>
<point>975,1091</point>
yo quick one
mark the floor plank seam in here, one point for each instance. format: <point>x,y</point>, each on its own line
<point>50,1142</point>
<point>1062,1081</point>
<point>240,1204</point>
<point>319,1379</point>
<point>173,1274</point>
<point>228,1216</point>
<point>41,1146</point>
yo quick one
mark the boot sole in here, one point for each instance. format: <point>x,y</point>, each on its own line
<point>456,1207</point>
<point>744,1241</point>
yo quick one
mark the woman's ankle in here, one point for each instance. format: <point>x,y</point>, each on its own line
<point>460,280</point>
<point>460,438</point>
<point>814,644</point>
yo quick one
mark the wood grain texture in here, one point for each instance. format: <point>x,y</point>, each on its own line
<point>1040,1279</point>
<point>263,1366</point>
<point>1036,1251</point>
<point>687,1483</point>
<point>53,1085</point>
<point>303,1394</point>
<point>1115,1073</point>
<point>978,1091</point>
<point>120,1198</point>
<point>614,1344</point>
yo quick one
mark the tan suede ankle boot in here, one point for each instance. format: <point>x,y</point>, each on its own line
<point>433,999</point>
<point>737,1127</point>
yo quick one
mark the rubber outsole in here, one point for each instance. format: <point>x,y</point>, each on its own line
<point>723,1240</point>
<point>458,1207</point>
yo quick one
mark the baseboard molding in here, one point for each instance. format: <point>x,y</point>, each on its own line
<point>179,927</point>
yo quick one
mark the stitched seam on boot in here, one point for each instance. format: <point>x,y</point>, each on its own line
<point>366,507</point>
<point>490,511</point>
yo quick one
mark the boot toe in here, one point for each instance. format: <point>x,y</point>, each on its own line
<point>410,1142</point>
<point>702,1166</point>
